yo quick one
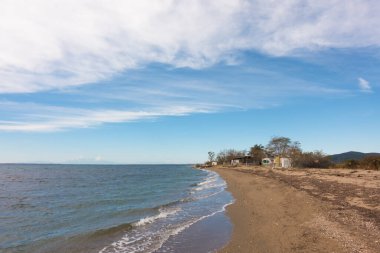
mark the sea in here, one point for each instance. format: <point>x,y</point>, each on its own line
<point>112,209</point>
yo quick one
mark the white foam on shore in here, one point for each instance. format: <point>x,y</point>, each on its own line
<point>208,186</point>
<point>209,180</point>
<point>212,181</point>
<point>187,225</point>
<point>152,232</point>
<point>161,215</point>
<point>124,244</point>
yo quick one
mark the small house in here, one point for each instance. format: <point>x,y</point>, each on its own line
<point>277,162</point>
<point>266,161</point>
<point>285,163</point>
<point>235,162</point>
<point>246,160</point>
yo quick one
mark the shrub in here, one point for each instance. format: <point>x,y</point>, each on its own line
<point>313,160</point>
<point>351,164</point>
<point>370,163</point>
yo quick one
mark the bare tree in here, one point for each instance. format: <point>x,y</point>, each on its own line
<point>279,146</point>
<point>316,159</point>
<point>295,152</point>
<point>211,156</point>
<point>226,156</point>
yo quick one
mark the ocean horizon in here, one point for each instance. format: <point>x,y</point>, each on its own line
<point>111,208</point>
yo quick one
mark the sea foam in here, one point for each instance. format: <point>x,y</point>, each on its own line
<point>150,233</point>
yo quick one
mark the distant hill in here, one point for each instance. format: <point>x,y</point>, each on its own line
<point>351,155</point>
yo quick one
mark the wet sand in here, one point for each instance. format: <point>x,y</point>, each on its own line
<point>204,236</point>
<point>303,210</point>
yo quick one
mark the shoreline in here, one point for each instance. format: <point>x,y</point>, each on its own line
<point>273,213</point>
<point>136,208</point>
<point>209,233</point>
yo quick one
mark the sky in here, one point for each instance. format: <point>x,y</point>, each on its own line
<point>119,81</point>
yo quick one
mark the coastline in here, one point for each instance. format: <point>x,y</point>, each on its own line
<point>136,208</point>
<point>272,213</point>
<point>210,232</point>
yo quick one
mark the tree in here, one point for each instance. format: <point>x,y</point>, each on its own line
<point>279,146</point>
<point>316,159</point>
<point>211,156</point>
<point>258,153</point>
<point>294,152</point>
<point>370,163</point>
<point>226,156</point>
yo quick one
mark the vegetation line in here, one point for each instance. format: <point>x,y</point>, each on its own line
<point>285,148</point>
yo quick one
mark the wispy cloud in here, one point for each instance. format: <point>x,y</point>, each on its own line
<point>81,63</point>
<point>39,118</point>
<point>87,107</point>
<point>52,44</point>
<point>364,85</point>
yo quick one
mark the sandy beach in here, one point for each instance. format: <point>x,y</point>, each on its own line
<point>303,210</point>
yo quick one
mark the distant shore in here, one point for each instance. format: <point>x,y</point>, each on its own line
<point>303,210</point>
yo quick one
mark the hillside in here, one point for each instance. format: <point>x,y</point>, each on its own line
<point>351,155</point>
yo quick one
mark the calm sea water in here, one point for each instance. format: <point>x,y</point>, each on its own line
<point>103,208</point>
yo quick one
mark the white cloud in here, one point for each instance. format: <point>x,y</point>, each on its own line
<point>52,44</point>
<point>364,85</point>
<point>42,118</point>
<point>134,103</point>
<point>49,44</point>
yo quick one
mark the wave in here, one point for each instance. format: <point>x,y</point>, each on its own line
<point>143,221</point>
<point>161,215</point>
<point>160,208</point>
<point>208,186</point>
<point>208,180</point>
<point>113,230</point>
<point>163,210</point>
<point>212,181</point>
<point>150,233</point>
<point>124,245</point>
<point>184,226</point>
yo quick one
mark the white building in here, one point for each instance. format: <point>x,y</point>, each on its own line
<point>278,162</point>
<point>235,162</point>
<point>285,163</point>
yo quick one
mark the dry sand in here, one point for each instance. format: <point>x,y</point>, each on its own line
<point>303,210</point>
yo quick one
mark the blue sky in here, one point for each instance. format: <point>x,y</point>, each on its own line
<point>166,82</point>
